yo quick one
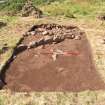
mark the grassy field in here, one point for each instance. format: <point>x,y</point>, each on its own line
<point>61,12</point>
<point>67,8</point>
<point>72,9</point>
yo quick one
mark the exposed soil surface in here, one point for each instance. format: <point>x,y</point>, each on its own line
<point>36,70</point>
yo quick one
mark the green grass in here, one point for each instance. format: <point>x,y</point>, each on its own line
<point>67,8</point>
<point>15,6</point>
<point>12,5</point>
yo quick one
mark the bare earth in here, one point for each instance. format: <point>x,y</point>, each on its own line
<point>34,71</point>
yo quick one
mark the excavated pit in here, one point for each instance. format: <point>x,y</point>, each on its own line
<point>46,64</point>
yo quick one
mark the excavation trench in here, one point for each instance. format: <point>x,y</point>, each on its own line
<point>53,58</point>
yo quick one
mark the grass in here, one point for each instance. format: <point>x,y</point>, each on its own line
<point>14,6</point>
<point>8,37</point>
<point>68,9</point>
<point>53,98</point>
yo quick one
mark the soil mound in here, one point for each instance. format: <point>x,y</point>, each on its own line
<point>53,64</point>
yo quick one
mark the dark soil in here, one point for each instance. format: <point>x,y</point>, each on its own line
<point>35,70</point>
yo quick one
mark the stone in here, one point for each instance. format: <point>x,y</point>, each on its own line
<point>58,39</point>
<point>77,37</point>
<point>48,27</point>
<point>51,33</point>
<point>32,44</point>
<point>48,39</point>
<point>14,57</point>
<point>32,32</point>
<point>60,69</point>
<point>70,36</point>
<point>40,41</point>
<point>44,33</point>
<point>40,29</point>
<point>54,56</point>
<point>21,47</point>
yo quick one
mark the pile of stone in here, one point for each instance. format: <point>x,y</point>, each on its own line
<point>52,33</point>
<point>30,10</point>
<point>46,40</point>
<point>54,29</point>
